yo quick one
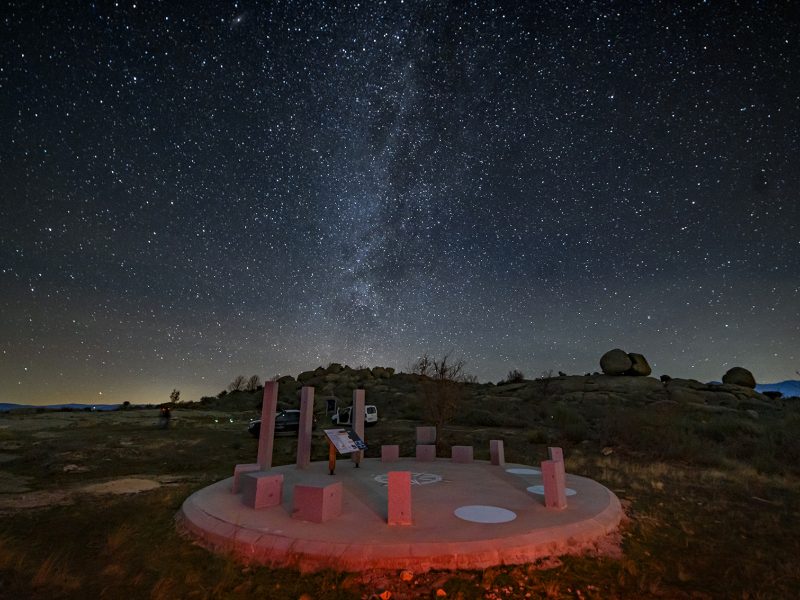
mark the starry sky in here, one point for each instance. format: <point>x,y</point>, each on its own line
<point>190,191</point>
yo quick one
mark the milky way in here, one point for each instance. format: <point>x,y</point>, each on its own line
<point>192,192</point>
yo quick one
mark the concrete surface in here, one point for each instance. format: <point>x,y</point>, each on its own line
<point>361,538</point>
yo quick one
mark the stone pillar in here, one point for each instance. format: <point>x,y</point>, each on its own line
<point>554,480</point>
<point>305,426</point>
<point>238,471</point>
<point>399,498</point>
<point>357,420</point>
<point>426,452</point>
<point>461,454</point>
<point>426,435</point>
<point>496,452</point>
<point>390,453</point>
<point>317,503</point>
<point>266,437</point>
<point>261,489</point>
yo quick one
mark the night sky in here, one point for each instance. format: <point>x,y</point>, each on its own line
<point>193,192</point>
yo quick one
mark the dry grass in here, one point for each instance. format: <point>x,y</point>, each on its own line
<point>723,525</point>
<point>53,574</point>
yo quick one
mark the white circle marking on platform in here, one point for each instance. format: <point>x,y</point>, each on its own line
<point>539,489</point>
<point>478,513</point>
<point>517,471</point>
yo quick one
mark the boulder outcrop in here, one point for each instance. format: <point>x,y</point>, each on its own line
<point>639,365</point>
<point>615,362</point>
<point>619,362</point>
<point>739,376</point>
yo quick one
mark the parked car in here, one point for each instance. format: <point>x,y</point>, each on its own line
<point>343,416</point>
<point>286,421</point>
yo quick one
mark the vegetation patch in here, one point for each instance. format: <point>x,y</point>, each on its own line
<point>711,498</point>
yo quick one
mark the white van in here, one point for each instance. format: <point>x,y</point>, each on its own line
<point>342,416</point>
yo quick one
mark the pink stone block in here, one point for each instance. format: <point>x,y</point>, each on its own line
<point>358,422</point>
<point>554,480</point>
<point>399,498</point>
<point>266,437</point>
<point>261,489</point>
<point>390,453</point>
<point>462,454</point>
<point>426,435</point>
<point>426,452</point>
<point>497,453</point>
<point>238,470</point>
<point>555,454</point>
<point>317,503</point>
<point>305,426</point>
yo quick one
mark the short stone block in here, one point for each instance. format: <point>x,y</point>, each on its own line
<point>462,454</point>
<point>399,498</point>
<point>426,452</point>
<point>238,470</point>
<point>555,454</point>
<point>390,453</point>
<point>261,489</point>
<point>554,480</point>
<point>426,435</point>
<point>317,503</point>
<point>496,452</point>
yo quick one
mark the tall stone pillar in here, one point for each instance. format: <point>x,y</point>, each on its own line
<point>358,421</point>
<point>305,426</point>
<point>266,437</point>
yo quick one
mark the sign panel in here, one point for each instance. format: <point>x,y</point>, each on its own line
<point>345,441</point>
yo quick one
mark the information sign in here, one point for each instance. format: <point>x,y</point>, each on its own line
<point>345,441</point>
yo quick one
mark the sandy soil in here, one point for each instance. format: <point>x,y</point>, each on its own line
<point>75,443</point>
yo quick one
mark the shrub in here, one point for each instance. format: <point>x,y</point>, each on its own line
<point>572,424</point>
<point>515,376</point>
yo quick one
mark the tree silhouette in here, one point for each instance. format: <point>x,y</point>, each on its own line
<point>253,383</point>
<point>238,384</point>
<point>440,389</point>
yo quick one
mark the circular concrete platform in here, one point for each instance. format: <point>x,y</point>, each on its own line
<point>465,516</point>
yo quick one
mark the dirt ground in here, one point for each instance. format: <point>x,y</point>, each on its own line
<point>88,499</point>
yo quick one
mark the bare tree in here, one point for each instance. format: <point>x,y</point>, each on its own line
<point>238,384</point>
<point>253,383</point>
<point>175,396</point>
<point>441,390</point>
<point>515,376</point>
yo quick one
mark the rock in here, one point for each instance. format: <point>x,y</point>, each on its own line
<point>639,366</point>
<point>285,379</point>
<point>72,468</point>
<point>739,376</point>
<point>615,362</point>
<point>379,373</point>
<point>334,368</point>
<point>306,375</point>
<point>665,378</point>
<point>751,413</point>
<point>725,394</point>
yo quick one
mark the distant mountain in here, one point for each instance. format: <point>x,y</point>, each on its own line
<point>7,406</point>
<point>789,388</point>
